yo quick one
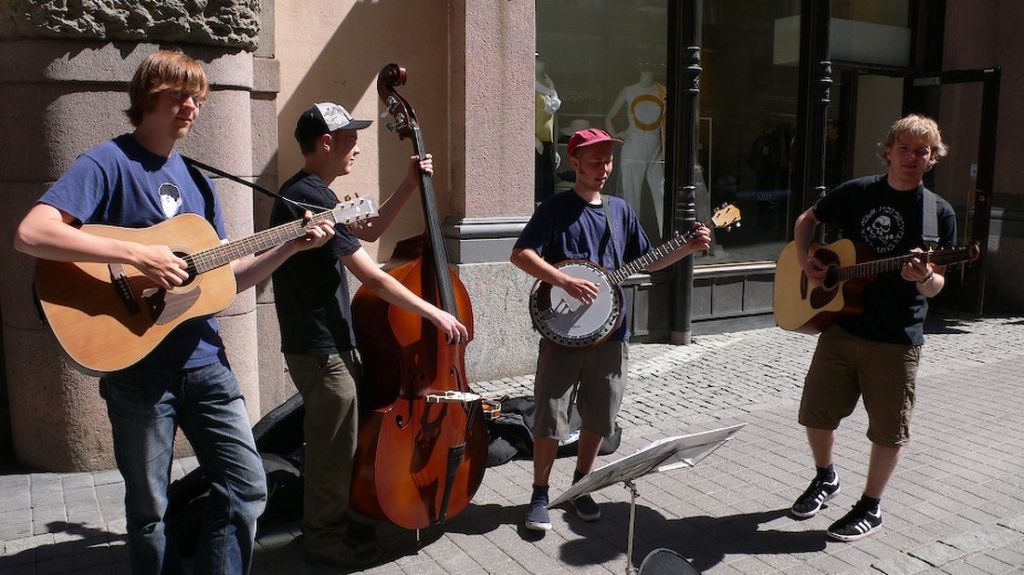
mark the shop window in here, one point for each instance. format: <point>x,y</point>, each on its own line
<point>601,64</point>
<point>748,110</point>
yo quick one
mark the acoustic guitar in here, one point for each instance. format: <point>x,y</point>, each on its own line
<point>802,306</point>
<point>565,320</point>
<point>107,317</point>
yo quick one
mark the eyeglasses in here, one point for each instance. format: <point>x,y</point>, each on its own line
<point>181,95</point>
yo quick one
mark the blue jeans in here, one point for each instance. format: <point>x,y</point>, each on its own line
<point>145,410</point>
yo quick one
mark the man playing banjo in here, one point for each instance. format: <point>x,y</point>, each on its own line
<point>576,227</point>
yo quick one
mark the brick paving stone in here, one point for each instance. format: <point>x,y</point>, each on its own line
<point>956,497</point>
<point>900,565</point>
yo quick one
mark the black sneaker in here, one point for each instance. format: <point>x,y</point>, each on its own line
<point>808,504</point>
<point>586,508</point>
<point>857,524</point>
<point>537,517</point>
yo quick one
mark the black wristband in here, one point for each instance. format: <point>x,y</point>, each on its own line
<point>927,277</point>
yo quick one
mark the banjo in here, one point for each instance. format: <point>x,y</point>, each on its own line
<point>565,320</point>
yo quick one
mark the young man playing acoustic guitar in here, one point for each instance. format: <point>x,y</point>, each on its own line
<point>575,226</point>
<point>138,180</point>
<point>312,300</point>
<point>874,354</point>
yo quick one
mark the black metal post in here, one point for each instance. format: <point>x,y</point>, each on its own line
<point>684,108</point>
<point>820,94</point>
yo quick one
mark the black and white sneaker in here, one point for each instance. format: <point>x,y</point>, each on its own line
<point>857,524</point>
<point>808,504</point>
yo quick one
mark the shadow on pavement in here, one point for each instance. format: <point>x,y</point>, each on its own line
<point>704,540</point>
<point>90,547</point>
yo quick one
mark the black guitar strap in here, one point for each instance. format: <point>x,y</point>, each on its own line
<point>611,235</point>
<point>194,164</point>
<point>929,219</point>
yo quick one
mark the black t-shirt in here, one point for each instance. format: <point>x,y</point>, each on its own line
<point>310,289</point>
<point>870,211</point>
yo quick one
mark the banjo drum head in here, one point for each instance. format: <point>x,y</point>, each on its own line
<point>569,321</point>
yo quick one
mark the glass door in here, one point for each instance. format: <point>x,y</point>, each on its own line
<point>966,105</point>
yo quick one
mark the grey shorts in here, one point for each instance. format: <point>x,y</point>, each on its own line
<point>600,371</point>
<point>845,368</point>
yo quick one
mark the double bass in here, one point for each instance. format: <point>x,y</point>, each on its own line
<point>422,446</point>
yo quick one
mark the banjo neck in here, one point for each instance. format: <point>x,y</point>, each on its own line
<point>655,255</point>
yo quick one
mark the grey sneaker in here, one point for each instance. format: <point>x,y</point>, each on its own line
<point>808,504</point>
<point>586,508</point>
<point>537,517</point>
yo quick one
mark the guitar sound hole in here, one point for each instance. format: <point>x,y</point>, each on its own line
<point>191,269</point>
<point>830,280</point>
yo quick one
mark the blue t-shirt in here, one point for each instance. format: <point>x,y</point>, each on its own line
<point>121,183</point>
<point>566,227</point>
<point>310,288</point>
<point>869,211</point>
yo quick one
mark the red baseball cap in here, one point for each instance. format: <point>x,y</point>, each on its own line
<point>589,137</point>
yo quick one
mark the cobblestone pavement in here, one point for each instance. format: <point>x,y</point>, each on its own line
<point>954,506</point>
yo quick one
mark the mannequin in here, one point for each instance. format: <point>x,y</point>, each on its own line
<point>547,103</point>
<point>642,151</point>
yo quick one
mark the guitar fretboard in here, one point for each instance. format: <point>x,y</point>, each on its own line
<point>875,267</point>
<point>212,258</point>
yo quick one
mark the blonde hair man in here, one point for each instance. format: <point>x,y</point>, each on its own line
<point>873,355</point>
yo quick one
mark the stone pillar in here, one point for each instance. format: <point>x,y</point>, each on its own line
<point>63,78</point>
<point>491,194</point>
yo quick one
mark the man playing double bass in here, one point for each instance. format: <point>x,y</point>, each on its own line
<point>312,300</point>
<point>575,226</point>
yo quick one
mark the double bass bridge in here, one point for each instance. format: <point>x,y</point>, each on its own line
<point>453,396</point>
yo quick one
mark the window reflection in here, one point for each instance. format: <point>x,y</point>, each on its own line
<point>606,59</point>
<point>749,98</point>
<point>607,62</point>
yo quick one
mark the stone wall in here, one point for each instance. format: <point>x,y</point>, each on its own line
<point>231,23</point>
<point>64,70</point>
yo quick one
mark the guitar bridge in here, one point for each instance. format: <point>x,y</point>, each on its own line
<point>119,280</point>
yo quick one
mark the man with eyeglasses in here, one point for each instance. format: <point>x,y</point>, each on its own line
<point>137,180</point>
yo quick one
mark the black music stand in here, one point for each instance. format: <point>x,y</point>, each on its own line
<point>660,456</point>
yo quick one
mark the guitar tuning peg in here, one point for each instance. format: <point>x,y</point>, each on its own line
<point>369,224</point>
<point>738,224</point>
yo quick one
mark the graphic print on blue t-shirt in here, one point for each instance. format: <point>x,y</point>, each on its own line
<point>883,229</point>
<point>170,199</point>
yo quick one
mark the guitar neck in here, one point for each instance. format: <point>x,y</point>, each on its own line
<point>876,267</point>
<point>652,257</point>
<point>206,260</point>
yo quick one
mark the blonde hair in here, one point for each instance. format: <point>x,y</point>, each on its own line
<point>916,126</point>
<point>161,71</point>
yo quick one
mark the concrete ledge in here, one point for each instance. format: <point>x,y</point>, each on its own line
<point>41,61</point>
<point>482,240</point>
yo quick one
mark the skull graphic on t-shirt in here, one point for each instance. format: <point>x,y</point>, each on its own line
<point>883,228</point>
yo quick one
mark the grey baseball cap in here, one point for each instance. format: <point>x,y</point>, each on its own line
<point>324,118</point>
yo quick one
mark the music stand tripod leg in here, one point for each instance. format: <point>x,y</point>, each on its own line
<point>632,523</point>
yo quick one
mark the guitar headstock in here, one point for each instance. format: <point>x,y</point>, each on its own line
<point>956,254</point>
<point>354,211</point>
<point>727,217</point>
